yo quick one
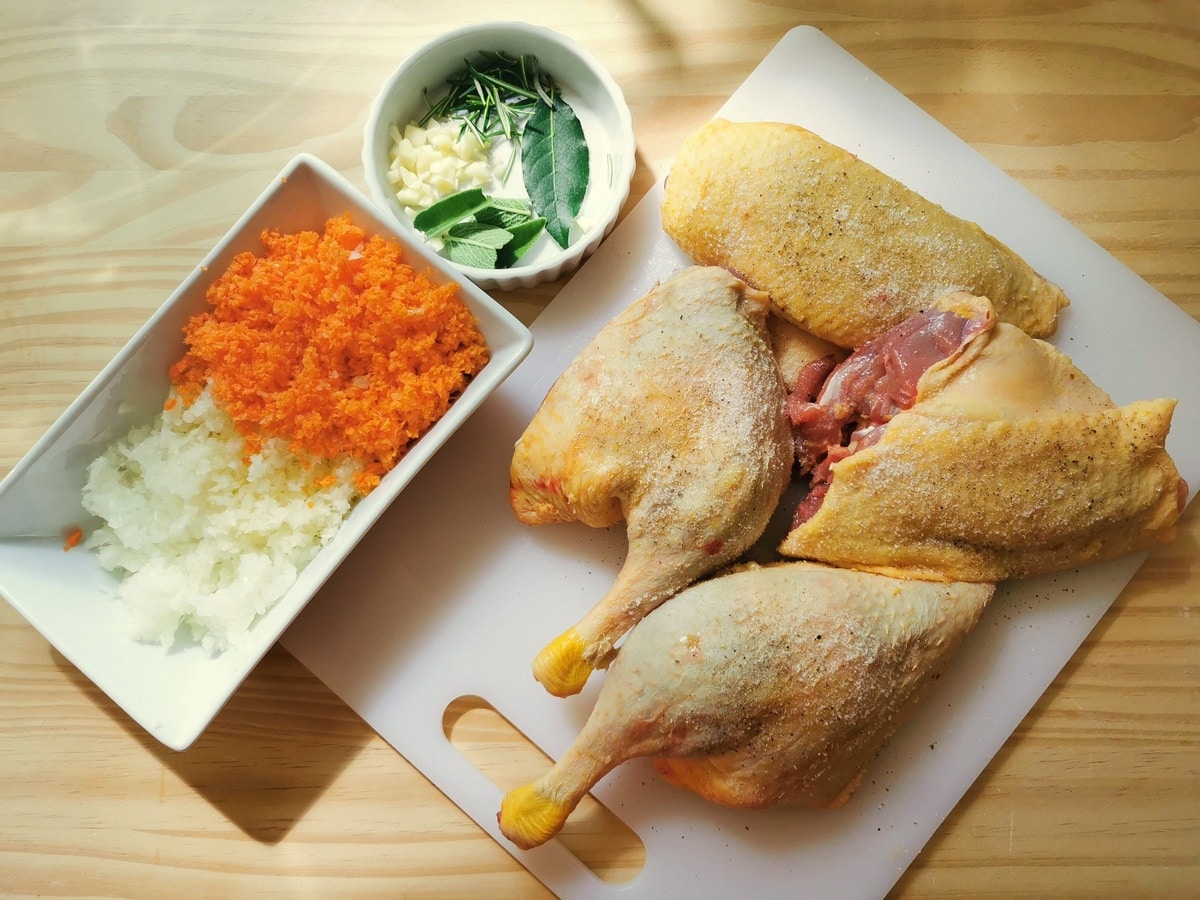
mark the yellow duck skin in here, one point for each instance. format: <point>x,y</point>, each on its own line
<point>773,685</point>
<point>1010,463</point>
<point>844,251</point>
<point>671,419</point>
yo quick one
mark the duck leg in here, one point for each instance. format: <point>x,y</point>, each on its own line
<point>770,685</point>
<point>672,420</point>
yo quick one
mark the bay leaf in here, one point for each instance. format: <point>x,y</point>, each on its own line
<point>555,166</point>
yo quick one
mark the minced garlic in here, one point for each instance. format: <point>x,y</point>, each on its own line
<point>431,162</point>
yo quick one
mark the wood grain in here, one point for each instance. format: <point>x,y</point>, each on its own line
<point>134,134</point>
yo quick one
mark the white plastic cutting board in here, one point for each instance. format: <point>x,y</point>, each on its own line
<point>450,596</point>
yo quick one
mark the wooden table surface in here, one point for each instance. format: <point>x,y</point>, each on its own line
<point>133,134</point>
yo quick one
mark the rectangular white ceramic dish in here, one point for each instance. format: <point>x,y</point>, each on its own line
<point>68,597</point>
<point>486,593</point>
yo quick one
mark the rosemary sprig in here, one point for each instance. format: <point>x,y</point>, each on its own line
<point>493,95</point>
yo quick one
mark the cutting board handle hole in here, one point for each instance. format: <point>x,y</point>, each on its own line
<point>594,834</point>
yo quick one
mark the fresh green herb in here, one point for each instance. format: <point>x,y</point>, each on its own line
<point>474,244</point>
<point>505,212</point>
<point>554,163</point>
<point>437,218</point>
<point>492,94</point>
<point>481,231</point>
<point>524,236</point>
<point>499,94</point>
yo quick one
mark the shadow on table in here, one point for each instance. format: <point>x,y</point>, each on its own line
<point>269,755</point>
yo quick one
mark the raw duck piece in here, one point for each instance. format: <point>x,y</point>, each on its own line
<point>976,453</point>
<point>671,419</point>
<point>767,686</point>
<point>844,250</point>
<point>796,350</point>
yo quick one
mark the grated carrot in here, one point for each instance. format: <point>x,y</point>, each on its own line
<point>331,342</point>
<point>72,537</point>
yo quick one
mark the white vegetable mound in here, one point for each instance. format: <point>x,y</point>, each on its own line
<point>431,162</point>
<point>203,542</point>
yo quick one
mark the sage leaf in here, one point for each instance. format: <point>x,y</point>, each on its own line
<point>524,236</point>
<point>448,211</point>
<point>505,212</point>
<point>474,244</point>
<point>554,163</point>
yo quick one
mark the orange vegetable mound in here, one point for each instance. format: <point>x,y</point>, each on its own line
<point>331,342</point>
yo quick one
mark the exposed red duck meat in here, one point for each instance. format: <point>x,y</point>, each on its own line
<point>862,394</point>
